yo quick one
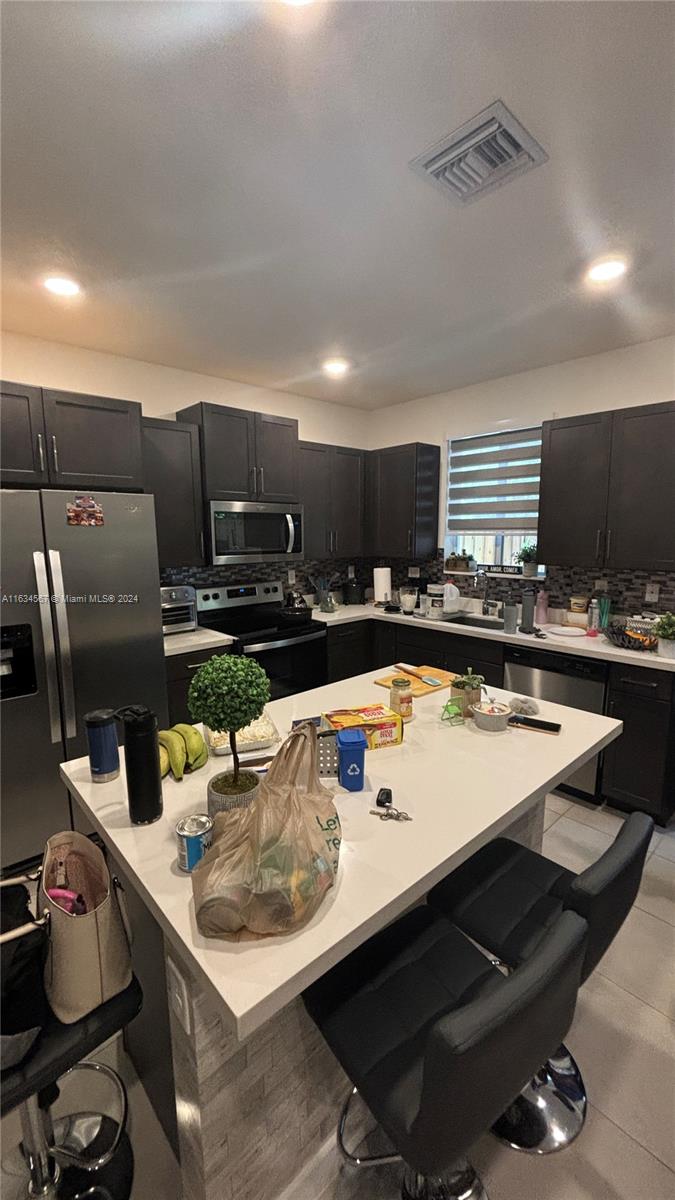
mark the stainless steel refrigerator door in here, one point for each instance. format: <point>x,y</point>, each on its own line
<point>586,694</point>
<point>105,580</point>
<point>34,801</point>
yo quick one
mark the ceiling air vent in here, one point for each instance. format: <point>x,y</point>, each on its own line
<point>481,155</point>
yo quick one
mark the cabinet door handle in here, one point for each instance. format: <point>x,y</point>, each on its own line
<point>609,543</point>
<point>410,532</point>
<point>41,451</point>
<point>254,481</point>
<point>201,543</point>
<point>335,546</point>
<point>262,480</point>
<point>597,544</point>
<point>638,682</point>
<point>55,454</point>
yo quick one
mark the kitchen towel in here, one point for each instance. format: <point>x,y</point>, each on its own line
<point>382,584</point>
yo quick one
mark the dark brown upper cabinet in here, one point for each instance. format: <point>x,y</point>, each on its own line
<point>402,486</point>
<point>331,487</point>
<point>608,489</point>
<point>93,441</point>
<point>66,439</point>
<point>641,499</point>
<point>172,474</point>
<point>245,455</point>
<point>23,445</point>
<point>575,455</point>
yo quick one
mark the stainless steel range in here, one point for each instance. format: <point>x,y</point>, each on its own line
<point>285,641</point>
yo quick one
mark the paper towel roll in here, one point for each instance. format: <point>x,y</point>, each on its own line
<point>382,584</point>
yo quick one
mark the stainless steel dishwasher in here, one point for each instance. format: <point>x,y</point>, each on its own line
<point>564,679</point>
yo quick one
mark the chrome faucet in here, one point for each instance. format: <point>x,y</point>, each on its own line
<point>489,608</point>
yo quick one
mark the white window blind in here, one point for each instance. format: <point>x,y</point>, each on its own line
<point>493,482</point>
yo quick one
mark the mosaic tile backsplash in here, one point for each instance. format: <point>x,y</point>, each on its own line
<point>626,588</point>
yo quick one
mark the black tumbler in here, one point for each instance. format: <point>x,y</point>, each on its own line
<point>141,754</point>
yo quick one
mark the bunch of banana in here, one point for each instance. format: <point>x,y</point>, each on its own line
<point>181,748</point>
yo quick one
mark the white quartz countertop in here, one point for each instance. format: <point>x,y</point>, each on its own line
<point>584,646</point>
<point>462,786</point>
<point>195,639</point>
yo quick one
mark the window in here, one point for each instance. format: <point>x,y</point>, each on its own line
<point>493,494</point>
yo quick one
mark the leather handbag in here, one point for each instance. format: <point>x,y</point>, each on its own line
<point>89,954</point>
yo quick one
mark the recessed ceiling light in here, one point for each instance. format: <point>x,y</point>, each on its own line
<point>606,270</point>
<point>62,287</point>
<point>296,3</point>
<point>335,367</point>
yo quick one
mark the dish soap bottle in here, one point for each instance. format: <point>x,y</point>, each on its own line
<point>541,609</point>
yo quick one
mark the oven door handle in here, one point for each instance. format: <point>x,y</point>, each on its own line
<point>291,533</point>
<point>283,642</point>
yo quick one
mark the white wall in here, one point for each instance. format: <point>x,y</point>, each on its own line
<point>641,374</point>
<point>162,390</point>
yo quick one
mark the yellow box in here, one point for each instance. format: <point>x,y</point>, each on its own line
<point>381,725</point>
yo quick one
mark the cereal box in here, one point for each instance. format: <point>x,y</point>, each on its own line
<point>381,725</point>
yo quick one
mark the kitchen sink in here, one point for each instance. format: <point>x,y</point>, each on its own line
<point>478,621</point>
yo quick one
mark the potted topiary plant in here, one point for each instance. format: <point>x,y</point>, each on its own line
<point>664,629</point>
<point>227,693</point>
<point>466,690</point>
<point>527,557</point>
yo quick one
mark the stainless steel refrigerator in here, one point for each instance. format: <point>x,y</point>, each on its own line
<point>81,629</point>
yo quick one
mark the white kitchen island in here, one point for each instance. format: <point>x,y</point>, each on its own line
<point>257,1091</point>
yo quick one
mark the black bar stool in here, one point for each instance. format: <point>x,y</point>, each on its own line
<point>85,1154</point>
<point>507,897</point>
<point>438,1041</point>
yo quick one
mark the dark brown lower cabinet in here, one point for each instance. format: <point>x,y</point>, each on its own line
<point>349,651</point>
<point>180,669</point>
<point>639,766</point>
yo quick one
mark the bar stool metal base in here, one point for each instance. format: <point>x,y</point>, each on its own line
<point>460,1183</point>
<point>550,1111</point>
<point>359,1160</point>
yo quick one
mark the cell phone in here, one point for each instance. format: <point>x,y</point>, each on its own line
<point>535,724</point>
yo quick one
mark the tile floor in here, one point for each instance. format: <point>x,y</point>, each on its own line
<point>623,1036</point>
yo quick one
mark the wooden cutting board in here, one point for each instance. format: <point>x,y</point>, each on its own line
<point>419,688</point>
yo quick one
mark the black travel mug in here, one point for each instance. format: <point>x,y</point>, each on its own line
<point>141,754</point>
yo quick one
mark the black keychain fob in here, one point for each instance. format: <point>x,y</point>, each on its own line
<point>383,798</point>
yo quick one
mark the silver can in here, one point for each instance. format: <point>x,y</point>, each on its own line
<point>194,835</point>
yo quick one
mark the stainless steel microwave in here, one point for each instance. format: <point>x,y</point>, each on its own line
<point>243,531</point>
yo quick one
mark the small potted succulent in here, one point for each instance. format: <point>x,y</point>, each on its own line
<point>466,691</point>
<point>664,629</point>
<point>527,557</point>
<point>227,693</point>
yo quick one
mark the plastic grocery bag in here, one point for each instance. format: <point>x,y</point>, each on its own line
<point>271,864</point>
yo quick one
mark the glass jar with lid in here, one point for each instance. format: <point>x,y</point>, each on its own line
<point>401,697</point>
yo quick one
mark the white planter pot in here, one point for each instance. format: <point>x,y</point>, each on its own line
<point>667,647</point>
<point>217,802</point>
<point>530,570</point>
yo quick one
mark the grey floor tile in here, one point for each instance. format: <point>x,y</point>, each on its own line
<point>641,959</point>
<point>557,804</point>
<point>665,844</point>
<point>574,845</point>
<point>596,817</point>
<point>550,818</point>
<point>626,1053</point>
<point>603,1163</point>
<point>657,890</point>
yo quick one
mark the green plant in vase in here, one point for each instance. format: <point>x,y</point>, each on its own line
<point>664,629</point>
<point>227,693</point>
<point>466,690</point>
<point>527,557</point>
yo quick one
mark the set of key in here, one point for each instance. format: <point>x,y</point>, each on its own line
<point>385,809</point>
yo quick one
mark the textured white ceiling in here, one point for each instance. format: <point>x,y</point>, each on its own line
<point>230,184</point>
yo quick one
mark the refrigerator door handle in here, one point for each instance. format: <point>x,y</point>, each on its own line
<point>49,646</point>
<point>64,643</point>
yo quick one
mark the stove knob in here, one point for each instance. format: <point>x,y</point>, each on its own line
<point>216,596</point>
<point>172,596</point>
<point>206,596</point>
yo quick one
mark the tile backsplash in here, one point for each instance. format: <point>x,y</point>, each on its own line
<point>626,588</point>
